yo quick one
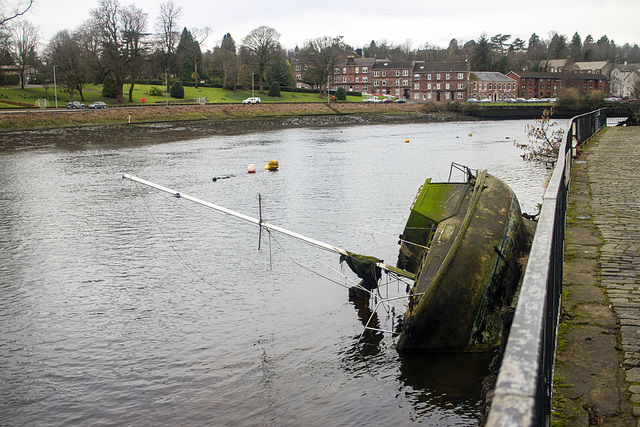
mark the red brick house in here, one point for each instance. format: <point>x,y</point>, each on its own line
<point>391,78</point>
<point>552,85</point>
<point>353,74</point>
<point>439,81</point>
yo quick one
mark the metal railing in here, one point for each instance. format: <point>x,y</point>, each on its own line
<point>522,395</point>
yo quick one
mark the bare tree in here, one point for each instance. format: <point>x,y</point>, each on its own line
<point>109,25</point>
<point>16,10</point>
<point>134,23</point>
<point>63,52</point>
<point>24,40</point>
<point>262,42</point>
<point>167,27</point>
<point>321,54</point>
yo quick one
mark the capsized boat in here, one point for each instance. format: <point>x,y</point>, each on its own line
<point>460,249</point>
<point>463,241</point>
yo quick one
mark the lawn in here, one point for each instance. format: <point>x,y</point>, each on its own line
<point>14,97</point>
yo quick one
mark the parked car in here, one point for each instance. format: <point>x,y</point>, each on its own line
<point>75,105</point>
<point>252,100</point>
<point>97,105</point>
<point>387,100</point>
<point>399,101</point>
<point>472,100</point>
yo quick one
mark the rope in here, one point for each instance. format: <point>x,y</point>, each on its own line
<point>173,248</point>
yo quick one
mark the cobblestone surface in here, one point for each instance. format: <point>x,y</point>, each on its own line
<point>597,372</point>
<point>612,169</point>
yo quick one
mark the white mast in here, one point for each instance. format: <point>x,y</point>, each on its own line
<point>263,224</point>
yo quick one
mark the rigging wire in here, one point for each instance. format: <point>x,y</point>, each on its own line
<point>173,248</point>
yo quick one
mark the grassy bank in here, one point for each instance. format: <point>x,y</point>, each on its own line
<point>15,97</point>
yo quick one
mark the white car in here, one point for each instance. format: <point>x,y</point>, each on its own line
<point>252,100</point>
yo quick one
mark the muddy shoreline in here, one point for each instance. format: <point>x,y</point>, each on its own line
<point>183,129</point>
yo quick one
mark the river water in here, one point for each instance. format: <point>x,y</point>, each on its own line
<point>122,305</point>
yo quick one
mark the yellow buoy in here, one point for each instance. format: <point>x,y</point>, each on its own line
<point>406,140</point>
<point>272,165</point>
<point>470,134</point>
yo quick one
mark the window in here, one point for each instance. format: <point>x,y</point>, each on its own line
<point>344,70</point>
<point>365,79</point>
<point>429,95</point>
<point>298,76</point>
<point>357,70</point>
<point>428,86</point>
<point>460,95</point>
<point>460,85</point>
<point>298,67</point>
<point>446,86</point>
<point>500,86</point>
<point>336,79</point>
<point>416,96</point>
<point>344,79</point>
<point>438,76</point>
<point>384,73</point>
<point>428,76</point>
<point>357,79</point>
<point>397,73</point>
<point>376,83</point>
<point>416,86</point>
<point>460,76</point>
<point>446,95</point>
<point>397,91</point>
<point>397,82</point>
<point>306,67</point>
<point>405,83</point>
<point>447,76</point>
<point>357,88</point>
<point>365,88</point>
<point>405,73</point>
<point>438,86</point>
<point>475,85</point>
<point>365,70</point>
<point>376,74</point>
<point>384,83</point>
<point>416,76</point>
<point>336,71</point>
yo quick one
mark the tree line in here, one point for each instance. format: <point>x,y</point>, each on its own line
<point>117,45</point>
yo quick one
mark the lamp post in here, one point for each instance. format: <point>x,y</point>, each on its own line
<point>252,90</point>
<point>166,84</point>
<point>55,87</point>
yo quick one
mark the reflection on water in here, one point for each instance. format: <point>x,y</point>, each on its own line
<point>123,306</point>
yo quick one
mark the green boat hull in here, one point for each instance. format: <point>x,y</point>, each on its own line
<point>463,241</point>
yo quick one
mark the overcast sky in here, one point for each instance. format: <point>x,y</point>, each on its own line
<point>360,21</point>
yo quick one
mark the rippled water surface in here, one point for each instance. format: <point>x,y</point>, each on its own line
<point>121,305</point>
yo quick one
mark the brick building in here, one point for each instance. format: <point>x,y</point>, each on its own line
<point>439,81</point>
<point>552,85</point>
<point>492,86</point>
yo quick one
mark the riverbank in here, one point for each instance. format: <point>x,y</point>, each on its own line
<point>171,123</point>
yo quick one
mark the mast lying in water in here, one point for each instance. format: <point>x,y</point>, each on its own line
<point>356,262</point>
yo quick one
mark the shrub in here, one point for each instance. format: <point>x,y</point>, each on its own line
<point>154,91</point>
<point>274,90</point>
<point>177,90</point>
<point>109,87</point>
<point>341,94</point>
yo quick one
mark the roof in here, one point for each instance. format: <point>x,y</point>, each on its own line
<point>489,76</point>
<point>361,62</point>
<point>453,67</point>
<point>392,65</point>
<point>593,65</point>
<point>565,76</point>
<point>627,68</point>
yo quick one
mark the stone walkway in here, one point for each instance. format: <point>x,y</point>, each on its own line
<point>598,361</point>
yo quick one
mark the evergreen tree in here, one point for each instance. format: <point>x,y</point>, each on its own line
<point>481,58</point>
<point>274,90</point>
<point>576,47</point>
<point>177,90</point>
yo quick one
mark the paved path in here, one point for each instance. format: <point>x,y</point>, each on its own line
<point>598,361</point>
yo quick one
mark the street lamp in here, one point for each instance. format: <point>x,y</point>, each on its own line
<point>55,87</point>
<point>252,90</point>
<point>166,85</point>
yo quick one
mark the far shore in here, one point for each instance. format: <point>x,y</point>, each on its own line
<point>153,124</point>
